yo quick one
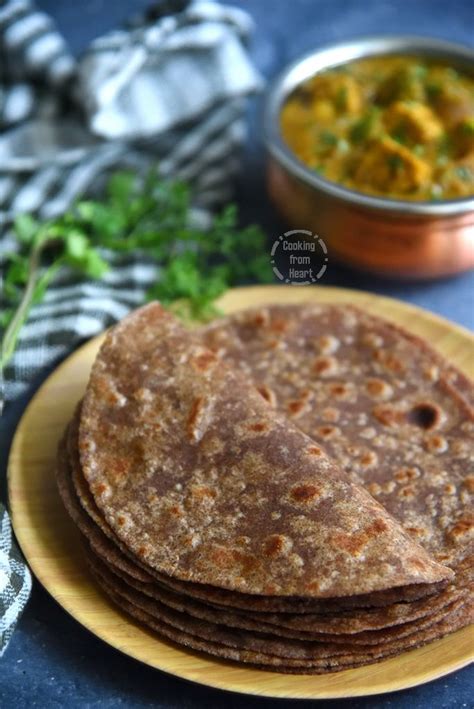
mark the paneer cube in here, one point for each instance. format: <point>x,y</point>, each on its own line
<point>413,122</point>
<point>387,166</point>
<point>341,90</point>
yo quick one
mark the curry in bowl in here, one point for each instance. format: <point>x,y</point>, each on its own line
<point>393,126</point>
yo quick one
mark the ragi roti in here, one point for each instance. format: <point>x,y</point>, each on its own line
<point>205,482</point>
<point>78,498</point>
<point>393,413</point>
<point>261,649</point>
<point>357,627</point>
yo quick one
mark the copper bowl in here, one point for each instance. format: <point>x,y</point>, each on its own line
<point>385,236</point>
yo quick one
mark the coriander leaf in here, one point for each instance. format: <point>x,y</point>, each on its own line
<point>25,228</point>
<point>148,216</point>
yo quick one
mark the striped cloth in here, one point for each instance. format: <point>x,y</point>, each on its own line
<point>168,90</point>
<point>15,581</point>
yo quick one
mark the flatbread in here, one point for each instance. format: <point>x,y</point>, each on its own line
<point>286,413</point>
<point>199,477</point>
<point>392,412</point>
<point>396,416</point>
<point>342,628</point>
<point>249,622</point>
<point>118,554</point>
<point>260,649</point>
<point>257,641</point>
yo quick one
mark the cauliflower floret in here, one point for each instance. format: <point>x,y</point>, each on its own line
<point>387,166</point>
<point>413,121</point>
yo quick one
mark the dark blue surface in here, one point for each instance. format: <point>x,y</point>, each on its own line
<point>54,662</point>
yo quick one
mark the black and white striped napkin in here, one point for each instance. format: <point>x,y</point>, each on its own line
<point>15,581</point>
<point>170,91</point>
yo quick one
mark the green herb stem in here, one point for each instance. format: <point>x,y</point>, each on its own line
<point>24,306</point>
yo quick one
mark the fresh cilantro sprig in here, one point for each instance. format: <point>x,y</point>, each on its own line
<point>150,216</point>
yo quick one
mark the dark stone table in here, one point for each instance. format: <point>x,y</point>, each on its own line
<point>52,661</point>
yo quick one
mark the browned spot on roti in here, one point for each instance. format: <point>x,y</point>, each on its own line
<point>407,492</point>
<point>330,414</point>
<point>192,540</point>
<point>258,427</point>
<point>99,488</point>
<point>204,360</point>
<point>107,392</point>
<point>228,558</point>
<point>374,488</point>
<point>340,389</point>
<point>389,361</point>
<point>277,544</point>
<point>313,586</point>
<point>368,459</point>
<point>143,394</point>
<point>436,444</point>
<point>315,450</point>
<point>296,407</point>
<point>372,339</point>
<point>270,589</point>
<point>305,493</point>
<point>378,388</point>
<point>243,540</point>
<point>328,344</point>
<point>86,446</point>
<point>468,483</point>
<point>379,525</point>
<point>196,419</point>
<point>462,530</point>
<point>325,366</point>
<point>260,318</point>
<point>268,394</point>
<point>416,531</point>
<point>176,510</point>
<point>327,431</point>
<point>425,415</point>
<point>387,415</point>
<point>222,557</point>
<point>354,543</point>
<point>118,467</point>
<point>404,475</point>
<point>279,325</point>
<point>418,563</point>
<point>203,492</point>
<point>351,543</point>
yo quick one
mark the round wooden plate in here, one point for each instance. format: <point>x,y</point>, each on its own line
<point>50,543</point>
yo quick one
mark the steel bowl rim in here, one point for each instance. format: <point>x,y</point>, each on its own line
<point>282,86</point>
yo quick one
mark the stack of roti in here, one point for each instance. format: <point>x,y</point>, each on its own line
<point>287,487</point>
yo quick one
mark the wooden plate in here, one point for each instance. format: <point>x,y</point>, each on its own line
<point>50,543</point>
